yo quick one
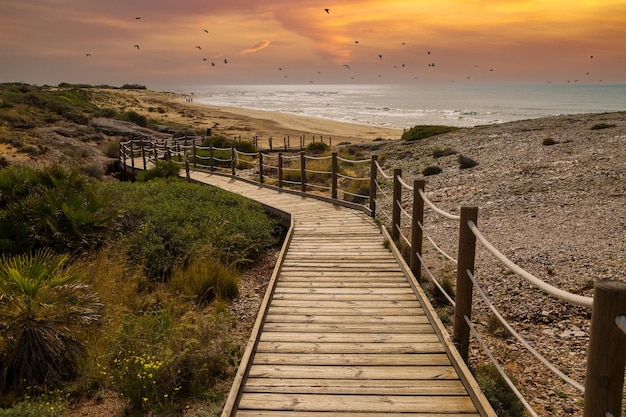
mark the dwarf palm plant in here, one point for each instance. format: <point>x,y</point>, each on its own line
<point>42,305</point>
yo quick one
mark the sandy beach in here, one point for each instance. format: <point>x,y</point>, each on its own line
<point>244,123</point>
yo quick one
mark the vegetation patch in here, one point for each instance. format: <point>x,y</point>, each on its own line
<point>599,126</point>
<point>424,131</point>
<point>431,170</point>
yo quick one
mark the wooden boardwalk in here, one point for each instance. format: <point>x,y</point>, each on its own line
<point>344,329</point>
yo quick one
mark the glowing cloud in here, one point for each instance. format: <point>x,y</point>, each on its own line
<point>259,46</point>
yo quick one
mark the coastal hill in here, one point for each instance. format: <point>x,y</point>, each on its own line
<point>551,194</point>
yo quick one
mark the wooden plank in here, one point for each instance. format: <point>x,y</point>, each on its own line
<point>327,304</point>
<point>304,319</point>
<point>350,311</point>
<point>344,291</point>
<point>407,372</point>
<point>356,387</point>
<point>351,327</point>
<point>287,347</point>
<point>343,297</point>
<point>267,336</point>
<point>358,403</point>
<point>287,413</point>
<point>394,359</point>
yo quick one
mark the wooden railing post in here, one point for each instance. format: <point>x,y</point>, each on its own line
<point>416,229</point>
<point>333,176</point>
<point>143,157</point>
<point>195,165</point>
<point>606,356</point>
<point>211,160</point>
<point>132,156</point>
<point>260,167</point>
<point>303,171</point>
<point>155,146</point>
<point>122,152</point>
<point>280,170</point>
<point>186,159</point>
<point>373,174</point>
<point>233,161</point>
<point>178,151</point>
<point>397,200</point>
<point>464,286</point>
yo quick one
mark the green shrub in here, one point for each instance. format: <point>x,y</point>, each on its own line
<point>222,142</point>
<point>599,126</point>
<point>440,153</point>
<point>431,170</point>
<point>499,394</point>
<point>43,308</point>
<point>204,279</point>
<point>52,208</point>
<point>163,169</point>
<point>166,221</point>
<point>466,162</point>
<point>113,149</point>
<point>134,117</point>
<point>424,131</point>
<point>317,147</point>
<point>549,142</point>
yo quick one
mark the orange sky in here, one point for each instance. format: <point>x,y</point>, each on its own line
<point>298,42</point>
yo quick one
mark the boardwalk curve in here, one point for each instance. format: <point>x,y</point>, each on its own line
<point>344,329</point>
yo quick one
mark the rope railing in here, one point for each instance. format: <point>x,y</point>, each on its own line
<point>519,337</point>
<point>436,209</point>
<point>508,381</point>
<point>542,285</point>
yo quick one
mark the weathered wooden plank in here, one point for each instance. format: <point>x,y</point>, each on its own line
<point>288,347</point>
<point>356,387</point>
<point>348,291</point>
<point>353,297</point>
<point>350,327</point>
<point>407,372</point>
<point>392,359</point>
<point>267,336</point>
<point>350,311</point>
<point>286,413</point>
<point>327,304</point>
<point>304,319</point>
<point>359,403</point>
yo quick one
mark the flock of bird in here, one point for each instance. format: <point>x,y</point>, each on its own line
<point>430,64</point>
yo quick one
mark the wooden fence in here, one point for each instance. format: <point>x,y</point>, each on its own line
<point>606,359</point>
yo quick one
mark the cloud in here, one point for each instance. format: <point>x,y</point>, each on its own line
<point>257,47</point>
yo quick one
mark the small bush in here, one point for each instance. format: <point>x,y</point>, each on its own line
<point>113,149</point>
<point>204,279</point>
<point>426,131</point>
<point>163,169</point>
<point>466,162</point>
<point>549,142</point>
<point>317,147</point>
<point>134,117</point>
<point>599,126</point>
<point>431,170</point>
<point>439,153</point>
<point>500,396</point>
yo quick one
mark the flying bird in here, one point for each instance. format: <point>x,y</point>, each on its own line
<point>327,11</point>
<point>212,63</point>
<point>206,31</point>
<point>136,46</point>
<point>380,56</point>
<point>428,52</point>
<point>347,66</point>
<point>138,17</point>
<point>225,61</point>
<point>198,47</point>
<point>88,54</point>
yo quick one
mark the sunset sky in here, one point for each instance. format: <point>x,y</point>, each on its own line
<point>164,43</point>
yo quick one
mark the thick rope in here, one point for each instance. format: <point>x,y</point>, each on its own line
<point>437,209</point>
<point>317,158</point>
<point>383,172</point>
<point>555,292</point>
<point>404,184</point>
<point>351,161</point>
<point>351,178</point>
<point>519,337</point>
<point>432,242</point>
<point>499,368</point>
<point>435,281</point>
<point>403,211</point>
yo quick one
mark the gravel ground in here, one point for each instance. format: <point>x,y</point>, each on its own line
<point>557,210</point>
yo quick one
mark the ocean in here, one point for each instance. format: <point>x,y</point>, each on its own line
<point>404,106</point>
